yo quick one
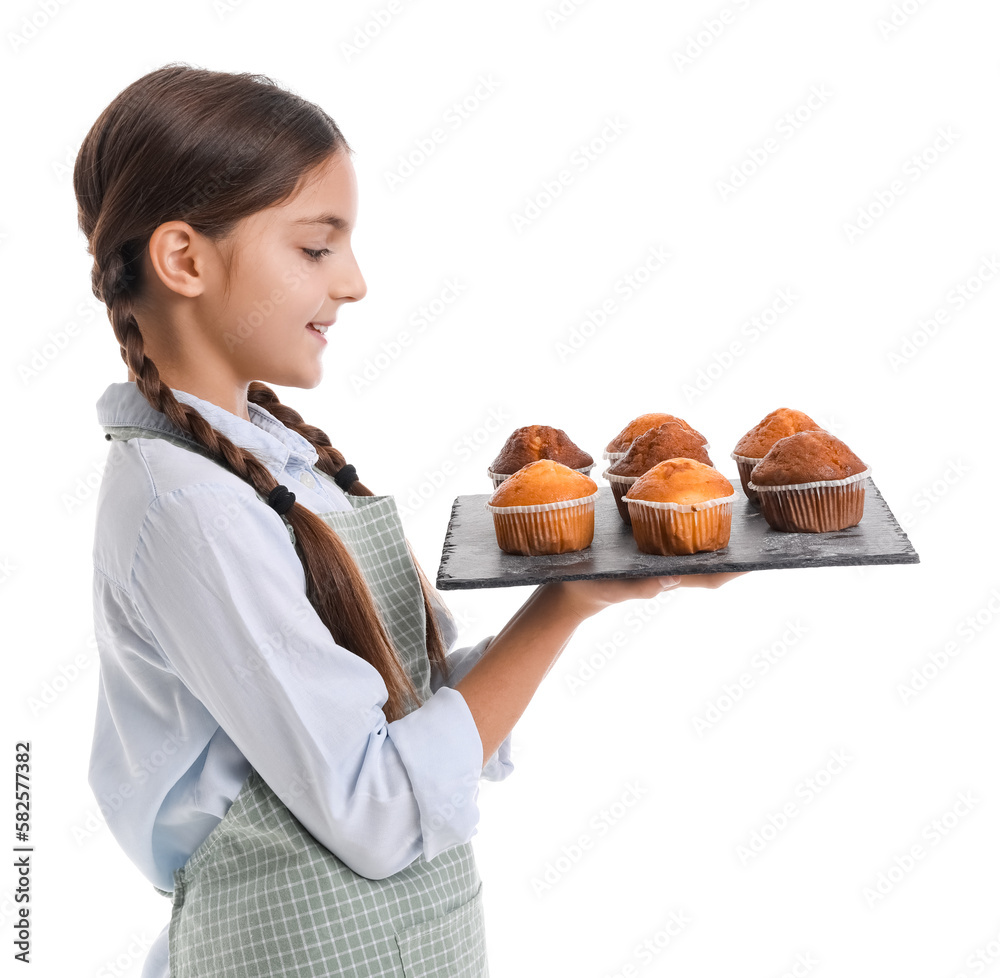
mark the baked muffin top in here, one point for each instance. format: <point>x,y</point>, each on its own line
<point>668,440</point>
<point>780,423</point>
<point>807,456</point>
<point>644,422</point>
<point>542,481</point>
<point>537,441</point>
<point>680,480</point>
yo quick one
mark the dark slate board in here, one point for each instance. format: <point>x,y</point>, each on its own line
<point>472,559</point>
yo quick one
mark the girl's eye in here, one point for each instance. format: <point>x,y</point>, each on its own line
<point>316,255</point>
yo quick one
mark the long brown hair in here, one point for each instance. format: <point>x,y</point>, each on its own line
<point>210,148</point>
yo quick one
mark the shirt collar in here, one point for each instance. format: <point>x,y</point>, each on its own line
<point>122,404</point>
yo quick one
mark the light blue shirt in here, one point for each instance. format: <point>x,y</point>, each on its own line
<point>212,660</point>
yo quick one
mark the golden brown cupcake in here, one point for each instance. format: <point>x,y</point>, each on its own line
<point>619,445</point>
<point>668,440</point>
<point>545,507</point>
<point>754,445</point>
<point>810,482</point>
<point>681,506</point>
<point>534,442</point>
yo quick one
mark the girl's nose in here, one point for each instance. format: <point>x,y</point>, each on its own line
<point>349,283</point>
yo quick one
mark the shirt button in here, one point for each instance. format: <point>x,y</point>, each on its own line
<point>307,480</point>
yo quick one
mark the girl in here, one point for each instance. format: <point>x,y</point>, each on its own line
<point>282,744</point>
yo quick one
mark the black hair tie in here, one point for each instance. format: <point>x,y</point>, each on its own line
<point>346,476</point>
<point>281,498</point>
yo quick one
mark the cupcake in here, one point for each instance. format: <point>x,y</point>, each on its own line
<point>810,482</point>
<point>668,440</point>
<point>619,445</point>
<point>681,506</point>
<point>545,507</point>
<point>754,445</point>
<point>534,442</point>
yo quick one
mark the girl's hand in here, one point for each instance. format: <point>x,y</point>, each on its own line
<point>583,599</point>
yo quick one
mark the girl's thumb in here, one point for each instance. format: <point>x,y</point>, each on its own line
<point>668,582</point>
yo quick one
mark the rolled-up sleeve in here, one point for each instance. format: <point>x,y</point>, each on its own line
<point>221,589</point>
<point>460,661</point>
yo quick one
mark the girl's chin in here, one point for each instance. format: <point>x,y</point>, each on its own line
<point>305,379</point>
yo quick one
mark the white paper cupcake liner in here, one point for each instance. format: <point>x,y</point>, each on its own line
<point>744,465</point>
<point>545,528</point>
<point>620,484</point>
<point>814,507</point>
<point>681,528</point>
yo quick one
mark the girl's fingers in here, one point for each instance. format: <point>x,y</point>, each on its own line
<point>588,597</point>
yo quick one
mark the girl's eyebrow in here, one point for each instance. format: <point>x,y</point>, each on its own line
<point>335,222</point>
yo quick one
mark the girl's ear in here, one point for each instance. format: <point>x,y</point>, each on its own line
<point>181,258</point>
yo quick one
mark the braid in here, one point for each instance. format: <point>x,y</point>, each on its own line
<point>115,290</point>
<point>357,627</point>
<point>331,461</point>
<point>210,149</point>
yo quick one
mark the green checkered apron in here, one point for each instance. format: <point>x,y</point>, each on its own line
<point>261,897</point>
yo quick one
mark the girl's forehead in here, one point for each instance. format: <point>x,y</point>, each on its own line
<point>327,196</point>
<point>325,200</point>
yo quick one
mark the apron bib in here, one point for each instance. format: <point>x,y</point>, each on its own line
<point>260,897</point>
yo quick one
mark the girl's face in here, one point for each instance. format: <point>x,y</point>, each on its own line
<point>291,266</point>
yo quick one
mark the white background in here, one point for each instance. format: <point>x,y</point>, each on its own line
<point>901,136</point>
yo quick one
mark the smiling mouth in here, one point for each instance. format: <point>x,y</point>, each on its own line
<point>318,328</point>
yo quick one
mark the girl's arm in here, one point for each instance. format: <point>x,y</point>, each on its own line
<point>211,623</point>
<point>499,687</point>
